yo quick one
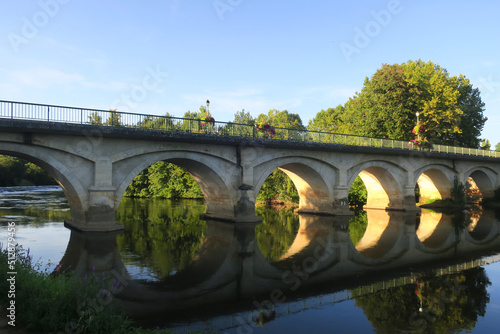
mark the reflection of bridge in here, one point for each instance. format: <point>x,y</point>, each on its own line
<point>230,266</point>
<point>226,322</point>
<point>95,165</point>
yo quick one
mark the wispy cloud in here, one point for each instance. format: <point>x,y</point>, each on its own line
<point>42,77</point>
<point>489,63</point>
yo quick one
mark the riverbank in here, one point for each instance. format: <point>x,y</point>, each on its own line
<point>56,302</point>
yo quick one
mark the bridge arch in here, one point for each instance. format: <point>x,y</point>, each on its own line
<point>50,161</point>
<point>379,177</point>
<point>216,177</point>
<point>434,182</point>
<point>313,180</point>
<point>479,184</point>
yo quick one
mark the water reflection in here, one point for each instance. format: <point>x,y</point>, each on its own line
<point>217,269</point>
<point>432,304</point>
<point>161,236</point>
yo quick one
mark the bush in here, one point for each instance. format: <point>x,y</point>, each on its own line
<point>458,192</point>
<point>51,303</point>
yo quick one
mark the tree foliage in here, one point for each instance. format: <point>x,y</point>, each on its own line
<point>357,226</point>
<point>450,304</point>
<point>284,120</point>
<point>157,123</point>
<point>277,232</point>
<point>241,117</point>
<point>451,109</point>
<point>165,235</point>
<point>164,180</point>
<point>329,120</point>
<point>95,118</point>
<point>278,187</point>
<point>114,119</point>
<point>357,194</point>
<point>17,172</point>
<point>485,144</point>
<point>457,192</point>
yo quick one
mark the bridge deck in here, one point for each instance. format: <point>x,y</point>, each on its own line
<point>117,123</point>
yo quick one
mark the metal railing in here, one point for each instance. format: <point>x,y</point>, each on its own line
<point>73,115</point>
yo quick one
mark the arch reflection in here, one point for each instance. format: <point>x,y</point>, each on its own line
<point>481,226</point>
<point>383,230</point>
<point>435,229</point>
<point>229,270</point>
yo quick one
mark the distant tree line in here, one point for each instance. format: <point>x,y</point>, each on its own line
<point>17,172</point>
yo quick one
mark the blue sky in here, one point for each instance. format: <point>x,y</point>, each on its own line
<point>171,56</point>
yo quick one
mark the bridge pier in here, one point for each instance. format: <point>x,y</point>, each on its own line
<point>100,213</point>
<point>339,206</point>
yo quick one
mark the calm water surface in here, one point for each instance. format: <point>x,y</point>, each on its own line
<point>375,272</point>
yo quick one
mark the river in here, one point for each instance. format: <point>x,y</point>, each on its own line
<point>384,272</point>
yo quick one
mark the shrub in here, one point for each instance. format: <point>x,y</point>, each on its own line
<point>458,192</point>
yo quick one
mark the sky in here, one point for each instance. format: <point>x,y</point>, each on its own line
<point>170,56</point>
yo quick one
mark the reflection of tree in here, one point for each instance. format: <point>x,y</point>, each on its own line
<point>357,226</point>
<point>165,234</point>
<point>277,232</point>
<point>449,303</point>
<point>389,310</point>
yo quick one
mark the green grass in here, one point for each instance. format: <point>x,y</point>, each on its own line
<point>48,303</point>
<point>444,202</point>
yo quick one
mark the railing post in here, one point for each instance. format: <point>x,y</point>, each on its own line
<point>48,114</point>
<point>12,110</point>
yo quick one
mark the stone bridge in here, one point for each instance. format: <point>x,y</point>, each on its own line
<point>95,164</point>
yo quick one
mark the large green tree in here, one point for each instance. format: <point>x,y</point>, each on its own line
<point>450,108</point>
<point>385,107</point>
<point>472,120</point>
